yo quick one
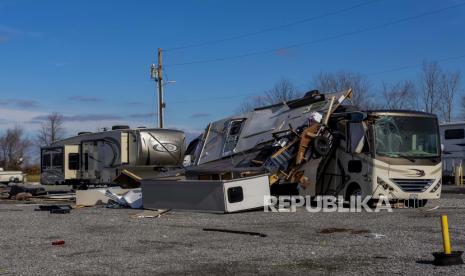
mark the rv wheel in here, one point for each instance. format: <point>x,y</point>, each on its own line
<point>353,190</point>
<point>321,145</point>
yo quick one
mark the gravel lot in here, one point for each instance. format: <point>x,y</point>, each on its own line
<point>101,241</point>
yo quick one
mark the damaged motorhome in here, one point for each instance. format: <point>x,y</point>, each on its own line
<point>100,157</point>
<point>385,153</point>
<point>315,145</point>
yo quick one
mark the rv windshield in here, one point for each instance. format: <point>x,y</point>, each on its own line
<point>406,136</point>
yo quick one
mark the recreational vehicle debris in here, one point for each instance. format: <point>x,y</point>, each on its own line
<point>317,146</point>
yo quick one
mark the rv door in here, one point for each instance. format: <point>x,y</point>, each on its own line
<point>356,137</point>
<point>90,159</point>
<point>233,132</point>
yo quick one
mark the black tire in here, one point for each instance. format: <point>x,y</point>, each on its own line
<point>320,145</point>
<point>353,190</point>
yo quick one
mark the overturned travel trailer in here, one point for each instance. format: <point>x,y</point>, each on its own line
<point>264,141</point>
<point>100,157</point>
<point>317,146</point>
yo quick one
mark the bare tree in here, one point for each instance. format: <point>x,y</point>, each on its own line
<point>401,95</point>
<point>431,76</point>
<point>282,91</point>
<point>439,90</point>
<point>13,148</point>
<point>449,85</point>
<point>463,107</point>
<point>343,80</point>
<point>51,130</point>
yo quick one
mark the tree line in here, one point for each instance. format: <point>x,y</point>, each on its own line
<point>16,148</point>
<point>436,91</point>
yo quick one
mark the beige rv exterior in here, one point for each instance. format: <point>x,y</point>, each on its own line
<point>99,158</point>
<point>392,154</point>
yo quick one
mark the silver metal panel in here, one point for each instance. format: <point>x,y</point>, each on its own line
<point>213,146</point>
<point>206,195</point>
<point>203,196</point>
<point>160,147</point>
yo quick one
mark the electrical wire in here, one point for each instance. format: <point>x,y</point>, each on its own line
<point>333,37</point>
<point>400,68</point>
<point>301,21</point>
<point>405,67</point>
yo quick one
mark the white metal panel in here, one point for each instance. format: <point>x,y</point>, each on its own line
<point>254,191</point>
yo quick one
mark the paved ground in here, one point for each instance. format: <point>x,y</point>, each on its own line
<point>102,241</point>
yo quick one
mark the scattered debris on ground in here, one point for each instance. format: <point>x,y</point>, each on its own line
<point>235,232</point>
<point>150,214</point>
<point>55,209</point>
<point>59,242</point>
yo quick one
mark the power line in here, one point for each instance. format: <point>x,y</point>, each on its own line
<point>301,21</point>
<point>215,98</point>
<point>405,67</point>
<point>400,68</point>
<point>341,35</point>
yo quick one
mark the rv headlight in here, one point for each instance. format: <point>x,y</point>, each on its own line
<point>436,187</point>
<point>166,147</point>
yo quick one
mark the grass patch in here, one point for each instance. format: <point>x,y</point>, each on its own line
<point>33,178</point>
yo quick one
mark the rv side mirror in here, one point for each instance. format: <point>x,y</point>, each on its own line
<point>356,137</point>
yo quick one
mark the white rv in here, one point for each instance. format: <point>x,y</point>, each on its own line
<point>11,176</point>
<point>393,154</point>
<point>98,158</point>
<point>453,155</point>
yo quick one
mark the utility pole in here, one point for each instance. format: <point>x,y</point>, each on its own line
<point>156,73</point>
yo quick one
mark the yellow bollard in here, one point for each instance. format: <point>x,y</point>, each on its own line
<point>448,257</point>
<point>445,234</point>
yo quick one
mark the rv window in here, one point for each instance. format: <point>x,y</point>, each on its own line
<point>458,133</point>
<point>354,166</point>
<point>46,161</point>
<point>73,161</point>
<point>235,127</point>
<point>57,160</point>
<point>235,194</point>
<point>356,135</point>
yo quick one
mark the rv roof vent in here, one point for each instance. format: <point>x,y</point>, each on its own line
<point>119,127</point>
<point>84,132</point>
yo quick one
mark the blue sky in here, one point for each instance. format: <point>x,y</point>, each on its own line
<point>90,59</point>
